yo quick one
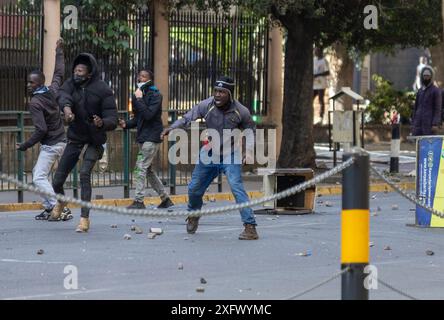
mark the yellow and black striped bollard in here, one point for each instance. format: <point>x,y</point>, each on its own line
<point>355,227</point>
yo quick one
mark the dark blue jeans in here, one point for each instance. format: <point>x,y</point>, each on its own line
<point>204,174</point>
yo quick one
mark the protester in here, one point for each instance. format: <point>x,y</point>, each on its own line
<point>147,108</point>
<point>89,106</point>
<point>220,112</point>
<point>49,130</point>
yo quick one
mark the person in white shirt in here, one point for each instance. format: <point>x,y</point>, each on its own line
<point>422,63</point>
<point>320,74</point>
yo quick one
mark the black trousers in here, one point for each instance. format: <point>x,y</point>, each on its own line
<point>69,159</point>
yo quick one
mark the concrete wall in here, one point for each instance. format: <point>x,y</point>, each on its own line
<point>400,68</point>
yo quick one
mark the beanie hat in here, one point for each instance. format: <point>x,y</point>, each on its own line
<point>226,83</point>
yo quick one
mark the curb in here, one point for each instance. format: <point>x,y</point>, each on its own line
<point>181,199</point>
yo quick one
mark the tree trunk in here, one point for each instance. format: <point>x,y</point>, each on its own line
<point>297,148</point>
<point>342,71</point>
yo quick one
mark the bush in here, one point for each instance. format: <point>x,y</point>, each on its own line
<point>385,102</point>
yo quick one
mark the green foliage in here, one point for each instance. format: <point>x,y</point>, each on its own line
<point>385,100</point>
<point>401,23</point>
<point>105,23</point>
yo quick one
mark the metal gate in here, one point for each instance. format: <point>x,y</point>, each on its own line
<point>118,67</point>
<point>21,46</point>
<point>205,45</point>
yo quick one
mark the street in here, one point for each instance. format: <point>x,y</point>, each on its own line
<point>293,253</point>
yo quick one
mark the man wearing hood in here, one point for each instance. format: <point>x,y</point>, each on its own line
<point>426,118</point>
<point>221,113</point>
<point>147,108</point>
<point>90,109</point>
<point>49,130</point>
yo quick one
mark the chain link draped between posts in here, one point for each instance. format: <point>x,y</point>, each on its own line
<point>406,295</point>
<point>320,284</point>
<point>406,195</point>
<point>159,212</point>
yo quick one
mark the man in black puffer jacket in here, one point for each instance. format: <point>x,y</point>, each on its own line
<point>147,108</point>
<point>90,109</point>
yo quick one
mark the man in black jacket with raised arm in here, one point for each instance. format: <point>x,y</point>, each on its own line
<point>48,129</point>
<point>90,109</point>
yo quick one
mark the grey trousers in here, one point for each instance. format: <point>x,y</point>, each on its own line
<point>143,171</point>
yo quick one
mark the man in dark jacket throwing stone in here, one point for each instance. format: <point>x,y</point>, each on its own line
<point>147,108</point>
<point>90,109</point>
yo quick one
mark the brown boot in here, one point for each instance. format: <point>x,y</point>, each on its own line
<point>192,224</point>
<point>83,225</point>
<point>249,233</point>
<point>56,212</point>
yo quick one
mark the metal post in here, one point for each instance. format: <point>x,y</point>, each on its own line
<point>20,155</point>
<point>355,230</point>
<point>126,155</point>
<point>395,147</point>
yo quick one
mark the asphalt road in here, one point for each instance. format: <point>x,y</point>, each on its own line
<point>109,267</point>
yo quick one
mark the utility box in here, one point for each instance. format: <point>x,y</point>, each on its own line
<point>277,180</point>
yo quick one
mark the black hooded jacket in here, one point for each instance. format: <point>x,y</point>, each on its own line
<point>94,97</point>
<point>147,115</point>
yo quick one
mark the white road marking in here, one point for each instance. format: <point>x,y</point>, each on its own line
<point>34,261</point>
<point>64,293</point>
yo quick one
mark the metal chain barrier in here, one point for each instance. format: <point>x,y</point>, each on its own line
<point>409,197</point>
<point>318,285</point>
<point>385,284</point>
<point>168,212</point>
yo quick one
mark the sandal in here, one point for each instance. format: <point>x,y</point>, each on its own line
<point>43,216</point>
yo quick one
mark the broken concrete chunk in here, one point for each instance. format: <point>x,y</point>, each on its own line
<point>430,252</point>
<point>156,230</point>
<point>203,281</point>
<point>371,244</point>
<point>151,235</point>
<point>395,207</point>
<point>328,204</point>
<point>40,251</point>
<point>305,253</point>
<point>180,266</point>
<point>387,248</point>
<point>138,230</point>
<point>127,237</point>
